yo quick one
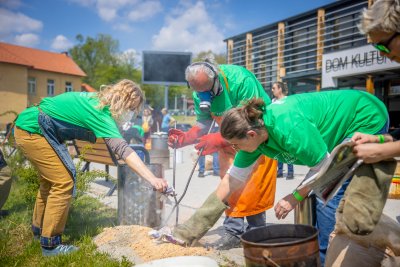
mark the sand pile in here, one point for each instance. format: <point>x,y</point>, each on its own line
<point>121,239</point>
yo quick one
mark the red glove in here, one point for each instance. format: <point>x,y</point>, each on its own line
<point>211,143</point>
<point>178,138</point>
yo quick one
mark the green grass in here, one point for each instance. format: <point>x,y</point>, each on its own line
<point>185,119</point>
<point>87,218</point>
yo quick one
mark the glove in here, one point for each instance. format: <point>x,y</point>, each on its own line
<point>201,221</point>
<point>211,143</point>
<point>178,138</point>
<point>366,196</point>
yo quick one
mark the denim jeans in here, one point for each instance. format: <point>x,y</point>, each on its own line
<point>202,161</point>
<point>280,168</point>
<point>325,221</point>
<point>236,225</point>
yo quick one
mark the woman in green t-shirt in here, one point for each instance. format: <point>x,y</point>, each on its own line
<point>301,129</point>
<point>40,133</point>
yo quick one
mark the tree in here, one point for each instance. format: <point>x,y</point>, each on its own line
<point>96,57</point>
<point>220,58</point>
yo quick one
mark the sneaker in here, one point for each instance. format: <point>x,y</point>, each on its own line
<point>216,173</point>
<point>228,241</point>
<point>4,213</point>
<point>201,174</point>
<point>290,176</point>
<point>59,250</point>
<point>280,175</point>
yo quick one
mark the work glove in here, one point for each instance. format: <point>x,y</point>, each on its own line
<point>201,221</point>
<point>211,143</point>
<point>366,195</point>
<point>178,138</point>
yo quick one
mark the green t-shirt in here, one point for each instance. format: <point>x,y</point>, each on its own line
<point>243,85</point>
<point>139,129</point>
<point>303,128</point>
<point>78,108</point>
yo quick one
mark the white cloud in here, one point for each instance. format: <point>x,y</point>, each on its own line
<point>61,43</point>
<point>108,9</point>
<point>10,3</point>
<point>27,39</point>
<point>15,22</point>
<point>145,10</point>
<point>190,29</point>
<point>123,27</point>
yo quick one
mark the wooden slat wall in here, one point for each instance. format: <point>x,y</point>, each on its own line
<point>98,152</point>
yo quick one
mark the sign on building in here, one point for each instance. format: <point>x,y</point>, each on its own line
<point>346,63</point>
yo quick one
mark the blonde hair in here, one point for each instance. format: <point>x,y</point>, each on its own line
<point>238,121</point>
<point>120,98</point>
<point>383,15</point>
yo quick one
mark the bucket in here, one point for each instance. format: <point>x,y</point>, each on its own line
<point>138,203</point>
<point>305,211</point>
<point>159,141</point>
<point>159,152</point>
<point>282,245</point>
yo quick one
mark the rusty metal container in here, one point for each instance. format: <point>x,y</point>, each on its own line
<point>285,245</point>
<point>138,203</point>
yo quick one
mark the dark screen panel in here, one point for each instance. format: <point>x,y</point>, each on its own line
<point>165,67</point>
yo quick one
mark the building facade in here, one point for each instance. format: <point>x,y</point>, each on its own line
<point>27,75</point>
<point>319,50</point>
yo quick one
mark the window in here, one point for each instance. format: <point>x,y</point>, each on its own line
<point>31,86</point>
<point>68,87</point>
<point>50,88</point>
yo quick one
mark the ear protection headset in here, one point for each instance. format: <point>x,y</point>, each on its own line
<point>216,88</point>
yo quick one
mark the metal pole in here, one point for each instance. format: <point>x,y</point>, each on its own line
<point>166,96</point>
<point>187,184</point>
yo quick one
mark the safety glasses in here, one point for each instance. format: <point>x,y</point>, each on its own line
<point>383,47</point>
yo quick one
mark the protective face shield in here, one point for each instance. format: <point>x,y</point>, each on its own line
<point>215,90</point>
<point>205,100</point>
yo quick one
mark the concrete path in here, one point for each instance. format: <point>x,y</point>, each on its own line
<point>200,188</point>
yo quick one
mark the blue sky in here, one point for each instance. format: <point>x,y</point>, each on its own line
<point>166,25</point>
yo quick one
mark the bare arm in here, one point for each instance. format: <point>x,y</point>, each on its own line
<point>137,165</point>
<point>120,147</point>
<point>227,186</point>
<point>372,152</point>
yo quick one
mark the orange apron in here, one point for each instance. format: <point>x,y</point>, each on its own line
<point>258,194</point>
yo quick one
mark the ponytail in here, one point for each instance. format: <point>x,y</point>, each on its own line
<point>238,121</point>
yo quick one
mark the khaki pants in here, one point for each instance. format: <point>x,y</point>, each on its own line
<point>56,184</point>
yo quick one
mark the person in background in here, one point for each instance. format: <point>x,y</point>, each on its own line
<point>40,133</point>
<point>167,120</point>
<point>217,89</point>
<point>147,123</point>
<point>280,91</point>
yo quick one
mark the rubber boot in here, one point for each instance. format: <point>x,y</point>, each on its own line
<point>201,221</point>
<point>366,196</point>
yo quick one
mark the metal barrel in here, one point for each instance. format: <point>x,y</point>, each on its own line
<point>159,152</point>
<point>305,211</point>
<point>138,203</point>
<point>284,245</point>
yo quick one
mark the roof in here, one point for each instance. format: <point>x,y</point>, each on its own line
<point>39,59</point>
<point>88,88</point>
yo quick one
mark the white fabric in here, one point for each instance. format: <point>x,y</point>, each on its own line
<point>240,174</point>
